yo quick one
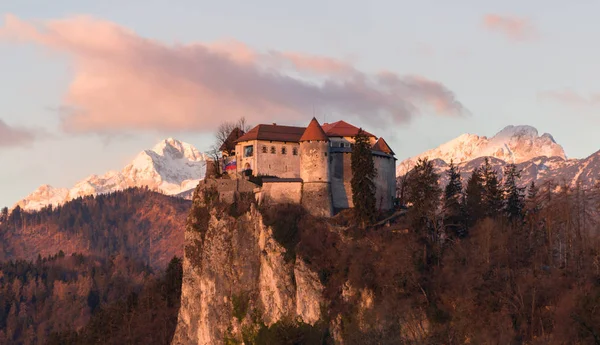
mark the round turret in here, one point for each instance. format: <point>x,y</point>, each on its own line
<point>314,154</point>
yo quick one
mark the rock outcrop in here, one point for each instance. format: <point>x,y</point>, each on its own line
<point>237,279</point>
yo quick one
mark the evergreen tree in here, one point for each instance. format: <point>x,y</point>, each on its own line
<point>4,215</point>
<point>474,205</point>
<point>492,195</point>
<point>513,195</point>
<point>532,202</point>
<point>453,213</point>
<point>423,192</point>
<point>362,182</point>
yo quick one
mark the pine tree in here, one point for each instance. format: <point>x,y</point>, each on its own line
<point>453,213</point>
<point>513,195</point>
<point>474,193</point>
<point>492,195</point>
<point>362,182</point>
<point>4,215</point>
<point>532,202</point>
<point>423,192</point>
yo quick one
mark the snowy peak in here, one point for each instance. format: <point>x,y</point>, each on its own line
<point>175,149</point>
<point>171,167</point>
<point>513,144</point>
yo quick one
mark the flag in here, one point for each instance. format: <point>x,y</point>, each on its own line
<point>231,165</point>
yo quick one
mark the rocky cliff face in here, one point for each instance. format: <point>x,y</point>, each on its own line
<point>278,275</point>
<point>237,279</point>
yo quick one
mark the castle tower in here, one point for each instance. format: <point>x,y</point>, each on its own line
<point>314,170</point>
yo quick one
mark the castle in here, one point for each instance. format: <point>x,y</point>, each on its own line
<point>307,165</point>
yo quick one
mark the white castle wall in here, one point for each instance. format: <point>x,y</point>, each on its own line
<point>264,162</point>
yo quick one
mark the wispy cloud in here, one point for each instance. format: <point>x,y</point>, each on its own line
<point>570,98</point>
<point>515,28</point>
<point>124,82</point>
<point>15,136</point>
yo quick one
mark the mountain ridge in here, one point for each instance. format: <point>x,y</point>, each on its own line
<point>513,144</point>
<point>171,167</point>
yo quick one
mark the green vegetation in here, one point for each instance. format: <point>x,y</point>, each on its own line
<point>284,332</point>
<point>240,305</point>
<point>362,182</point>
<point>285,219</point>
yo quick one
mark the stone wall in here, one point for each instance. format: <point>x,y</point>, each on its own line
<point>316,198</point>
<point>228,188</point>
<point>385,182</point>
<point>284,165</point>
<point>341,175</point>
<point>281,192</point>
<point>314,161</point>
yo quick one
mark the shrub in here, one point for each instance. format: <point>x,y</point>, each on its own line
<point>240,305</point>
<point>284,219</point>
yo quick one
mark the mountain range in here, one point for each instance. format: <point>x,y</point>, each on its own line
<point>538,157</point>
<point>170,167</point>
<point>174,168</point>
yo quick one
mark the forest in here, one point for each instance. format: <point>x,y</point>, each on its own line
<point>139,223</point>
<point>78,299</point>
<point>481,261</point>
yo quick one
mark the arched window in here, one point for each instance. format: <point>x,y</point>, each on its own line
<point>295,151</point>
<point>264,149</point>
<point>273,151</point>
<point>283,150</point>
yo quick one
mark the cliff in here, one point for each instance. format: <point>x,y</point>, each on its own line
<point>238,280</point>
<point>279,275</point>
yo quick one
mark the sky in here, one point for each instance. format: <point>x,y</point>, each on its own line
<point>86,85</point>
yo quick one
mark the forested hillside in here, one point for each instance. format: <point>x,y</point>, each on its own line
<point>144,225</point>
<point>106,300</point>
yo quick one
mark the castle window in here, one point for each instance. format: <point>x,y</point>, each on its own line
<point>248,151</point>
<point>295,151</point>
<point>264,149</point>
<point>283,150</point>
<point>273,150</point>
<point>325,153</point>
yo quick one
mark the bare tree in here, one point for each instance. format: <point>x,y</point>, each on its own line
<point>221,135</point>
<point>225,129</point>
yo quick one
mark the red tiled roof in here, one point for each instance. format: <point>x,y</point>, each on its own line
<point>342,129</point>
<point>273,133</point>
<point>294,134</point>
<point>314,132</point>
<point>229,143</point>
<point>382,146</point>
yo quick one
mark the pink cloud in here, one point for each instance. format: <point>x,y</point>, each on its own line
<point>518,29</point>
<point>570,98</point>
<point>124,82</point>
<point>15,136</point>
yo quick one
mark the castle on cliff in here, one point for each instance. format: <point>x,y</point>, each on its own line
<point>307,165</point>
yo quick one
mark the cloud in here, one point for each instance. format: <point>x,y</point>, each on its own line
<point>15,136</point>
<point>517,29</point>
<point>124,82</point>
<point>570,98</point>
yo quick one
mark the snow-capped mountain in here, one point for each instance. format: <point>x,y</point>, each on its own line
<point>171,167</point>
<point>539,158</point>
<point>513,144</point>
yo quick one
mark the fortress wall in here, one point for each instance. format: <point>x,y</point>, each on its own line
<point>314,157</point>
<point>316,198</point>
<point>281,192</point>
<point>385,182</point>
<point>341,175</point>
<point>228,188</point>
<point>278,164</point>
